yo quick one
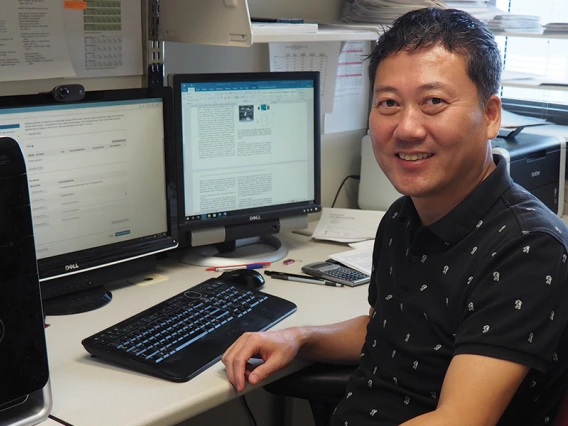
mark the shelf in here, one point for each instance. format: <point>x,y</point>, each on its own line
<point>227,23</point>
<point>324,34</point>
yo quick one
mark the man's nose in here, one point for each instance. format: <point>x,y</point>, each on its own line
<point>410,126</point>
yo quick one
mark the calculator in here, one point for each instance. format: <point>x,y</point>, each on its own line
<point>336,273</point>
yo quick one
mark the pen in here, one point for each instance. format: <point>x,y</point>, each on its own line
<point>257,265</point>
<point>300,278</point>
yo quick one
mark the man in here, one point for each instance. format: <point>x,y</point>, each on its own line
<point>469,293</point>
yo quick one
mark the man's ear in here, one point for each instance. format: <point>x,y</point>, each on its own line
<point>492,111</point>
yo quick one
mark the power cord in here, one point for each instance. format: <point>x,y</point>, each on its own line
<point>356,177</point>
<point>249,411</point>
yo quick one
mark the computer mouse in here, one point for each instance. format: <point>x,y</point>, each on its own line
<point>248,278</point>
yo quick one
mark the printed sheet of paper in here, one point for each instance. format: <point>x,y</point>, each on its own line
<point>317,56</point>
<point>32,41</point>
<point>351,101</point>
<point>347,225</point>
<point>360,259</point>
<point>105,37</point>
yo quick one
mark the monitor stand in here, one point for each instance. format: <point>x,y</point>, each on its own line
<point>76,303</point>
<point>267,248</point>
<point>77,293</point>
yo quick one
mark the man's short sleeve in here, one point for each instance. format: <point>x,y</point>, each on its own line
<point>372,298</point>
<point>516,308</point>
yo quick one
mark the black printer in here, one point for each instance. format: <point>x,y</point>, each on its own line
<point>537,163</point>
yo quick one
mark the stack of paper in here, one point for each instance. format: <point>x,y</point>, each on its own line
<point>530,79</point>
<point>386,11</point>
<point>556,28</point>
<point>509,22</point>
<point>382,11</point>
<point>480,9</point>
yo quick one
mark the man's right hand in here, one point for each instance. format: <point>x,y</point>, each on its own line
<point>276,348</point>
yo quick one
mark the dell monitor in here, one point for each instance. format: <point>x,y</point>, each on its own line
<point>248,162</point>
<point>98,173</point>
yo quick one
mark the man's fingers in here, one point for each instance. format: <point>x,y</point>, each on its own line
<point>262,371</point>
<point>236,358</point>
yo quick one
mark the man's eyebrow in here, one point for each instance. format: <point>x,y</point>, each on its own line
<point>436,85</point>
<point>433,86</point>
<point>382,89</point>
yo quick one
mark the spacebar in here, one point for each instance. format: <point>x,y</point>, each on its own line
<point>189,342</point>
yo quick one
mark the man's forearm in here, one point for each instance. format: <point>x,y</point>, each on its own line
<point>338,343</point>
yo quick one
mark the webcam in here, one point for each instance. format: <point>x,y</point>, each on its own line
<point>68,93</point>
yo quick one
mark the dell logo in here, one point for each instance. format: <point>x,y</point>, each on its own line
<point>535,174</point>
<point>255,217</point>
<point>71,266</point>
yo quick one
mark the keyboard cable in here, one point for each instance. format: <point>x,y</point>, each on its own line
<point>249,411</point>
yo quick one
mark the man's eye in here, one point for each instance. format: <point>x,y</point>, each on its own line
<point>434,101</point>
<point>389,103</point>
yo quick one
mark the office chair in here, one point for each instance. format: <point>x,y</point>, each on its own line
<point>322,385</point>
<point>562,416</point>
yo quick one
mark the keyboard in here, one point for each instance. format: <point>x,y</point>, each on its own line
<point>182,336</point>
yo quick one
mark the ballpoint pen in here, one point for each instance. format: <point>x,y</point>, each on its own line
<point>257,265</point>
<point>300,278</point>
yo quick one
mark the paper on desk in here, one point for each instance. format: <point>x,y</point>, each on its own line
<point>367,244</point>
<point>512,124</point>
<point>347,225</point>
<point>360,259</point>
<point>512,120</point>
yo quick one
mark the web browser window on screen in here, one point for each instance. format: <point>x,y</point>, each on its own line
<point>88,167</point>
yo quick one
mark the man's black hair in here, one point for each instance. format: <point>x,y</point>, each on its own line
<point>455,30</point>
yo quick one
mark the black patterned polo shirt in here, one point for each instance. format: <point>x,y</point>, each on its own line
<point>489,278</point>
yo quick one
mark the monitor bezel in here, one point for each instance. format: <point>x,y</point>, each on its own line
<point>248,216</point>
<point>102,256</point>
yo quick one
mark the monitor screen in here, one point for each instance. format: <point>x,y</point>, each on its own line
<point>97,175</point>
<point>248,151</point>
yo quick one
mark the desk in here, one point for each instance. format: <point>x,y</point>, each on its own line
<point>87,391</point>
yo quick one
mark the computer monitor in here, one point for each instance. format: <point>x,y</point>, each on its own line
<point>248,161</point>
<point>98,173</point>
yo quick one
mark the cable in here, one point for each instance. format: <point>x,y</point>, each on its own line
<point>357,177</point>
<point>58,420</point>
<point>251,416</point>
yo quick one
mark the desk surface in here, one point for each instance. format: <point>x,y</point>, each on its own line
<point>88,391</point>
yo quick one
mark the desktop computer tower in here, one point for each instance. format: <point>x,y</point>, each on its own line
<point>25,396</point>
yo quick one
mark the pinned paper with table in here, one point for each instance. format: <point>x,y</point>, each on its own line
<point>55,38</point>
<point>347,225</point>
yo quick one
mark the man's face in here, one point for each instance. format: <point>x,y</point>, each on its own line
<point>429,130</point>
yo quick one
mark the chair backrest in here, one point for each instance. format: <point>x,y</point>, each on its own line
<point>562,416</point>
